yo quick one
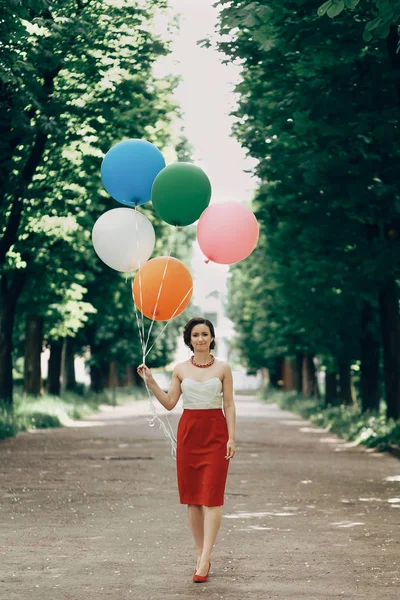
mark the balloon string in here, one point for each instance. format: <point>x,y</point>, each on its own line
<point>157,301</point>
<point>171,244</point>
<point>141,330</point>
<point>168,322</point>
<point>140,333</point>
<point>167,430</point>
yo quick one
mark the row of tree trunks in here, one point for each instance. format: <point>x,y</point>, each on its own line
<point>299,374</point>
<point>107,375</point>
<point>338,384</point>
<point>61,364</point>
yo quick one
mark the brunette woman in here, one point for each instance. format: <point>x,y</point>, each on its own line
<point>205,436</point>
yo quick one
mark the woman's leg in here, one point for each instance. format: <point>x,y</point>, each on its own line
<point>196,520</point>
<point>212,522</point>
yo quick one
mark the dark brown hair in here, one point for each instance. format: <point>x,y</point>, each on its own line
<point>187,332</point>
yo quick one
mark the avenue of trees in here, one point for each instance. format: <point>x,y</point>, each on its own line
<point>76,77</point>
<point>319,108</point>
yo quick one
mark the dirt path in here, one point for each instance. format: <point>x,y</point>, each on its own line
<point>92,512</point>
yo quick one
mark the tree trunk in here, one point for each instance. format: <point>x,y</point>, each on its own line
<point>291,374</point>
<point>390,327</point>
<point>98,377</point>
<point>298,372</point>
<point>310,385</point>
<point>33,351</point>
<point>370,354</point>
<point>113,379</point>
<point>98,367</point>
<point>331,388</point>
<point>345,382</point>
<point>139,381</point>
<point>9,297</point>
<point>54,368</point>
<point>6,331</point>
<point>69,364</point>
<point>113,374</point>
<point>129,376</point>
<point>275,372</point>
<point>287,375</point>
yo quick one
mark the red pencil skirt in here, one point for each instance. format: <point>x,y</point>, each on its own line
<point>200,456</point>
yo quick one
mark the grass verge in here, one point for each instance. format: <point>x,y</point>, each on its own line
<point>348,422</point>
<point>46,411</point>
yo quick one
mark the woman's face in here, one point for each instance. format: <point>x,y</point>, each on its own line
<point>200,337</point>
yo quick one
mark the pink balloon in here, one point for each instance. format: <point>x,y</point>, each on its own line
<point>227,233</point>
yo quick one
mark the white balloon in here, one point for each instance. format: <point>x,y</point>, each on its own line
<point>123,238</point>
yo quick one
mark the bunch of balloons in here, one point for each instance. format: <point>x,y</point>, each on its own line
<point>134,172</point>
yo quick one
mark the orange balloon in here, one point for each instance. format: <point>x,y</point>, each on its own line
<point>176,288</point>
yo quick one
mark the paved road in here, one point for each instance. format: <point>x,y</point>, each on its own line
<point>91,512</point>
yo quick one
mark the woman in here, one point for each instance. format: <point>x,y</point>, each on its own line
<point>205,437</point>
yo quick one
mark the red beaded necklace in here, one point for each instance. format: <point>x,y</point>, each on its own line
<point>202,366</point>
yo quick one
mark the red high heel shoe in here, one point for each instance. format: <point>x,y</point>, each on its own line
<point>201,578</point>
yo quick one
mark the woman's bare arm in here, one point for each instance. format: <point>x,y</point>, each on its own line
<point>229,410</point>
<point>168,399</point>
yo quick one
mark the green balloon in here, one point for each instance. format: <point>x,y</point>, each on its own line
<point>180,193</point>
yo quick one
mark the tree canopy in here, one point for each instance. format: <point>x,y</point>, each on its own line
<point>318,108</point>
<point>76,77</point>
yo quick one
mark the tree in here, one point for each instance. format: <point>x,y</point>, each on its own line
<point>325,133</point>
<point>76,76</point>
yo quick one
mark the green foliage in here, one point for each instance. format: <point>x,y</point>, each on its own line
<point>378,27</point>
<point>291,401</point>
<point>8,426</point>
<point>76,78</point>
<point>348,422</point>
<point>318,110</point>
<point>38,420</point>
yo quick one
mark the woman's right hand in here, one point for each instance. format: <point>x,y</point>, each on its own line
<point>145,373</point>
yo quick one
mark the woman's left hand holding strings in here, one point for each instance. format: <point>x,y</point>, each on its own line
<point>145,373</point>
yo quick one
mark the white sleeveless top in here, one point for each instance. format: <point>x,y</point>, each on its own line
<point>201,394</point>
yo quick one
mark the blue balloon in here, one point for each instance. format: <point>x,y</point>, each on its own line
<point>129,169</point>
